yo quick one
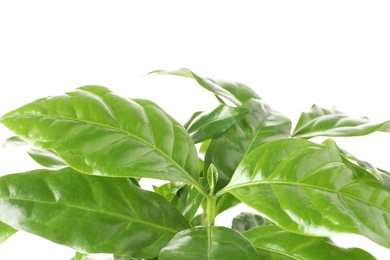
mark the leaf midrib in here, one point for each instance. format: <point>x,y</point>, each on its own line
<point>189,177</point>
<point>97,211</point>
<point>276,251</point>
<point>252,183</point>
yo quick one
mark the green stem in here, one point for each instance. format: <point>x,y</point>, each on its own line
<point>200,189</point>
<point>210,210</point>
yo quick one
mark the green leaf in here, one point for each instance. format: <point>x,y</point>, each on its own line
<point>6,232</point>
<point>198,220</point>
<point>332,122</point>
<point>80,256</point>
<point>262,125</point>
<point>225,202</point>
<point>311,189</point>
<point>208,126</point>
<point>192,119</point>
<point>187,201</point>
<point>131,258</point>
<point>380,174</point>
<point>272,242</point>
<point>100,133</point>
<point>235,92</point>
<point>212,177</point>
<point>169,190</point>
<point>48,159</point>
<point>184,198</point>
<point>208,243</point>
<point>90,214</point>
<point>248,220</point>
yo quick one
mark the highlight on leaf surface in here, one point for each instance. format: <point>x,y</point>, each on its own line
<point>98,146</point>
<point>283,177</point>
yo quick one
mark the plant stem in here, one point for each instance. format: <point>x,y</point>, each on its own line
<point>210,210</point>
<point>200,189</point>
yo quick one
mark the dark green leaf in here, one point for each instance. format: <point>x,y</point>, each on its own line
<point>332,122</point>
<point>311,189</point>
<point>100,133</point>
<point>6,232</point>
<point>193,118</point>
<point>183,197</point>
<point>91,214</point>
<point>262,125</point>
<point>198,220</point>
<point>187,201</point>
<point>45,158</point>
<point>272,242</point>
<point>248,220</point>
<point>208,243</point>
<point>235,92</point>
<point>211,125</point>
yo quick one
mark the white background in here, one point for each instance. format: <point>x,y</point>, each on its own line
<point>293,53</point>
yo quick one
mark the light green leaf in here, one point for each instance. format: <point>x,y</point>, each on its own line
<point>235,92</point>
<point>380,174</point>
<point>90,214</point>
<point>169,190</point>
<point>248,220</point>
<point>332,122</point>
<point>100,133</point>
<point>6,232</point>
<point>80,256</point>
<point>208,243</point>
<point>262,125</point>
<point>212,177</point>
<point>311,189</point>
<point>208,126</point>
<point>272,242</point>
<point>48,159</point>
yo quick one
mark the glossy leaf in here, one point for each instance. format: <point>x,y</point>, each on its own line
<point>262,125</point>
<point>332,122</point>
<point>6,232</point>
<point>311,189</point>
<point>208,126</point>
<point>100,133</point>
<point>48,159</point>
<point>183,197</point>
<point>272,242</point>
<point>90,214</point>
<point>381,174</point>
<point>248,220</point>
<point>187,201</point>
<point>235,92</point>
<point>208,243</point>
